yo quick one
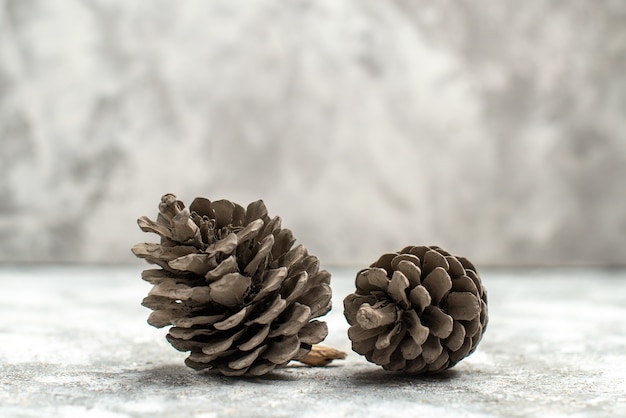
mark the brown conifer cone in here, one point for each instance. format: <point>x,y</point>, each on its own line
<point>240,297</point>
<point>421,310</point>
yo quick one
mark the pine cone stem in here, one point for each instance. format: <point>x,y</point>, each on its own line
<point>321,356</point>
<point>369,317</point>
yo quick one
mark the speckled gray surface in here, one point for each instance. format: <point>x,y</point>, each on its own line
<point>74,342</point>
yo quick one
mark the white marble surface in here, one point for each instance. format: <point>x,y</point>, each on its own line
<point>74,342</point>
<point>495,130</point>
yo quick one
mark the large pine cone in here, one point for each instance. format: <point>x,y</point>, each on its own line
<point>239,297</point>
<point>421,310</point>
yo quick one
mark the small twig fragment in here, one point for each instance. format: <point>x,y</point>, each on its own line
<point>320,356</point>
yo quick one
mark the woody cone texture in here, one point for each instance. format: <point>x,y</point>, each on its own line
<point>239,297</point>
<point>420,310</point>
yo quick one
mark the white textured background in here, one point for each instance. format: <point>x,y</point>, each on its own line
<point>496,129</point>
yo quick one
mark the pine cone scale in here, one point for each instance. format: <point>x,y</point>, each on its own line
<point>228,265</point>
<point>465,284</point>
<point>250,231</point>
<point>454,341</point>
<point>271,283</point>
<point>294,287</point>
<point>283,349</point>
<point>397,289</point>
<point>183,345</point>
<point>313,332</point>
<point>196,320</point>
<point>257,338</point>
<point>147,225</point>
<point>414,326</point>
<point>322,277</point>
<point>463,306</point>
<point>438,284</point>
<point>260,369</point>
<point>232,321</point>
<point>192,263</point>
<point>432,259</point>
<point>261,255</point>
<point>420,298</point>
<point>298,316</point>
<point>410,349</point>
<point>431,349</point>
<point>223,210</point>
<point>246,360</point>
<point>318,298</point>
<point>220,345</point>
<point>229,290</point>
<point>455,269</point>
<point>270,313</point>
<point>225,245</point>
<point>255,211</point>
<point>439,324</point>
<point>357,333</point>
<point>411,271</point>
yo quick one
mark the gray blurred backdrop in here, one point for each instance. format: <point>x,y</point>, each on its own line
<point>496,129</point>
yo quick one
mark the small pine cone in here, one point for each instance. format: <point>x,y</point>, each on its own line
<point>421,310</point>
<point>239,297</point>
